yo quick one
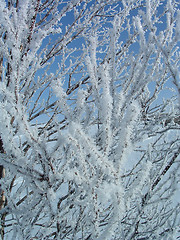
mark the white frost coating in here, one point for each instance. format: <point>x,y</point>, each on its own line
<point>106,108</point>
<point>99,159</point>
<point>51,195</point>
<point>62,97</point>
<point>91,71</point>
<point>178,26</point>
<point>92,49</point>
<point>148,10</point>
<point>128,124</point>
<point>92,65</point>
<point>141,32</point>
<point>88,122</point>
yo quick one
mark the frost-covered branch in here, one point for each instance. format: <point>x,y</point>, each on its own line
<point>89,119</point>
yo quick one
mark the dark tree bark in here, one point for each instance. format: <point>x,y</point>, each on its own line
<point>2,196</point>
<point>2,173</point>
<point>1,146</point>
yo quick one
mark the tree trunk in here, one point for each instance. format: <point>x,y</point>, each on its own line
<point>2,196</point>
<point>2,174</point>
